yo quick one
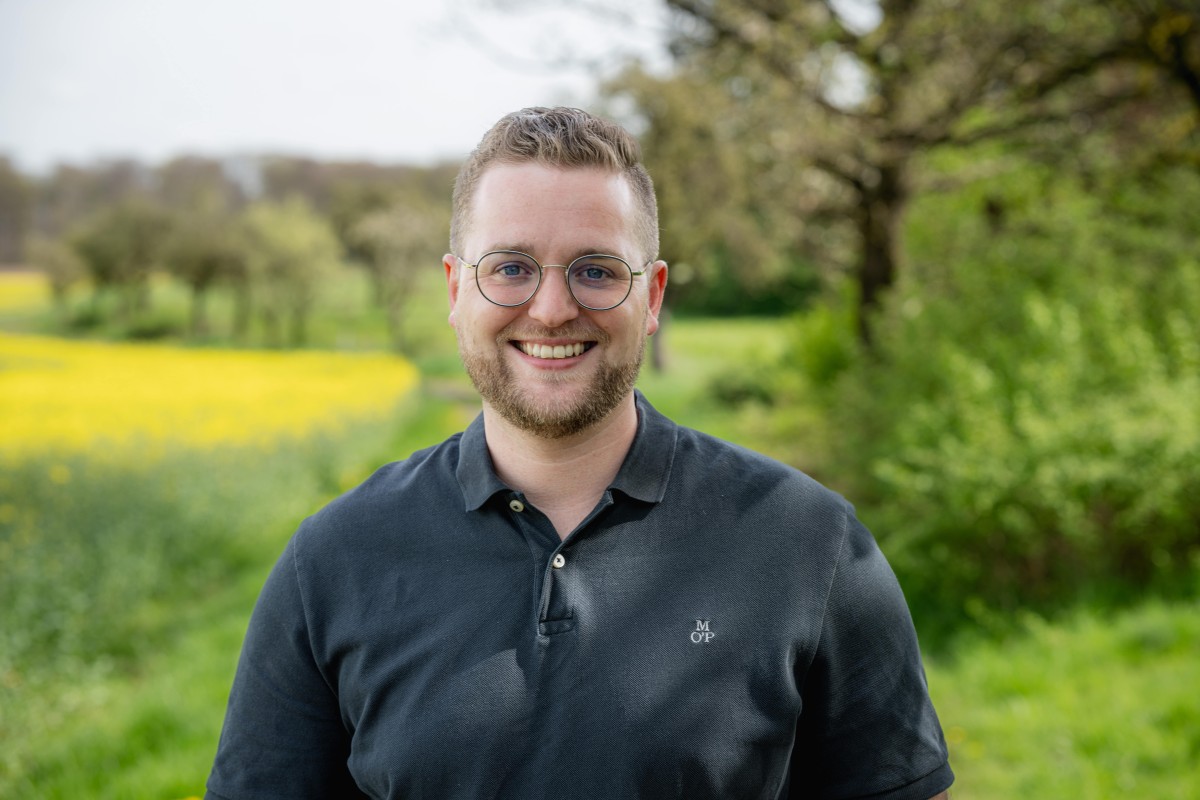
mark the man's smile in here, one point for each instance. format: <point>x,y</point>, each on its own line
<point>553,351</point>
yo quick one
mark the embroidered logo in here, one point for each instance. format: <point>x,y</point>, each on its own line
<point>703,634</point>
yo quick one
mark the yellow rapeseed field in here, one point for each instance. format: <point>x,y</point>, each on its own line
<point>70,396</point>
<point>20,290</point>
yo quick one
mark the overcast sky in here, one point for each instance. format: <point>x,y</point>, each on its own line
<point>390,81</point>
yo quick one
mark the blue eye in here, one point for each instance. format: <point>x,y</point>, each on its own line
<point>512,269</point>
<point>507,267</point>
<point>599,271</point>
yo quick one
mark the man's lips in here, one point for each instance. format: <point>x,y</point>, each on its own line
<point>553,351</point>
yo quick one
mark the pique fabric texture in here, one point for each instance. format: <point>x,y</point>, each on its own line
<point>720,626</point>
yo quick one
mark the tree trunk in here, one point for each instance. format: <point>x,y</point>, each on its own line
<point>198,323</point>
<point>880,220</point>
<point>298,335</point>
<point>271,328</point>
<point>241,310</point>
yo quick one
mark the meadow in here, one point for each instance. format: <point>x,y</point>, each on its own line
<point>146,490</point>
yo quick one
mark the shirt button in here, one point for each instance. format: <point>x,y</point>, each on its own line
<point>516,505</point>
<point>559,562</point>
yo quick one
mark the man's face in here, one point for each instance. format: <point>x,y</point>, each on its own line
<point>554,215</point>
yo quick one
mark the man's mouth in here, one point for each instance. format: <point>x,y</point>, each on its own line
<point>554,350</point>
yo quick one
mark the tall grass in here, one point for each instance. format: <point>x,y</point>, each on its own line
<point>123,621</point>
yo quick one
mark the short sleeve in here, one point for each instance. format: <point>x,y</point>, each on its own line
<point>867,727</point>
<point>283,735</point>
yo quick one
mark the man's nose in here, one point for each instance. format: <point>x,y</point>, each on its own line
<point>552,304</point>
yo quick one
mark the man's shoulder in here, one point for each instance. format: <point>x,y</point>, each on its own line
<point>706,460</point>
<point>419,484</point>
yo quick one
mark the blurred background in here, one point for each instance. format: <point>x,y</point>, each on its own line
<point>943,255</point>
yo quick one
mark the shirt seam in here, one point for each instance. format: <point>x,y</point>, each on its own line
<point>833,576</point>
<point>308,621</point>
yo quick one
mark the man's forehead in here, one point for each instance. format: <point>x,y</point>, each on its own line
<point>516,204</point>
<point>504,172</point>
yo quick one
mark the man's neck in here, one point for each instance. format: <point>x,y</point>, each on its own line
<point>564,478</point>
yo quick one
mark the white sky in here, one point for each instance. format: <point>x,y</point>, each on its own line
<point>391,81</point>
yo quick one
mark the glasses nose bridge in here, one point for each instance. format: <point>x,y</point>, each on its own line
<point>566,268</point>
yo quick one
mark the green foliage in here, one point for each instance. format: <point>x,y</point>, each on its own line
<point>85,540</point>
<point>121,246</point>
<point>290,249</point>
<point>1092,708</point>
<point>124,595</point>
<point>61,265</point>
<point>822,345</point>
<point>396,243</point>
<point>727,205</point>
<point>207,247</point>
<point>1028,428</point>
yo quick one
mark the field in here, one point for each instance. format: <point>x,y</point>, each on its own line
<point>146,490</point>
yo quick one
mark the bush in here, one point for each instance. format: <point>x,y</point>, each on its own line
<point>1028,428</point>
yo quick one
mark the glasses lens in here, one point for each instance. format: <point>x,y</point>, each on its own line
<point>599,282</point>
<point>508,279</point>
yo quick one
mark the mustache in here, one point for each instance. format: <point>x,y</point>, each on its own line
<point>582,333</point>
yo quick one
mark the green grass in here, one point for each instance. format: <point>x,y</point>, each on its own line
<point>1089,708</point>
<point>122,693</point>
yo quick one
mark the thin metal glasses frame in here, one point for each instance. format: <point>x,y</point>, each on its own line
<point>566,273</point>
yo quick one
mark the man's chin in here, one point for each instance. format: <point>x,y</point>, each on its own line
<point>550,417</point>
<point>556,409</point>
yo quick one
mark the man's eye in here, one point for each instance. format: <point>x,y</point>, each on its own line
<point>593,273</point>
<point>512,269</point>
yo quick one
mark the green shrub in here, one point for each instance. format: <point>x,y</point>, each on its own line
<point>1028,428</point>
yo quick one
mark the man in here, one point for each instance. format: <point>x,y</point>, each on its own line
<point>575,598</point>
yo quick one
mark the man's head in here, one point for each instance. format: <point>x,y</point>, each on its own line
<point>556,185</point>
<point>566,138</point>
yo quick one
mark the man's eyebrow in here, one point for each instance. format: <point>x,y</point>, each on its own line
<point>529,249</point>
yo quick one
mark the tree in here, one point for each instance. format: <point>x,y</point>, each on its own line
<point>290,249</point>
<point>121,246</point>
<point>395,243</point>
<point>857,91</point>
<point>205,248</point>
<point>1168,37</point>
<point>16,202</point>
<point>61,265</point>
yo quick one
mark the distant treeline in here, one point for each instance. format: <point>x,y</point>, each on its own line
<point>265,230</point>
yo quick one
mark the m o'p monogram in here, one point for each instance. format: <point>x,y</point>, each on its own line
<point>702,635</point>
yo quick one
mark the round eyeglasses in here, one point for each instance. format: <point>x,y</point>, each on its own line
<point>511,278</point>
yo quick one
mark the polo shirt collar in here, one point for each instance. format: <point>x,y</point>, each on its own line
<point>647,466</point>
<point>476,477</point>
<point>643,474</point>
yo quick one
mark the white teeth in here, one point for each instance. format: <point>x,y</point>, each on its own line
<point>556,351</point>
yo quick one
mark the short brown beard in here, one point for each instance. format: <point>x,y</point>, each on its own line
<point>496,384</point>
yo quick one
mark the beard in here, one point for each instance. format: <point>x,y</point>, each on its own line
<point>604,391</point>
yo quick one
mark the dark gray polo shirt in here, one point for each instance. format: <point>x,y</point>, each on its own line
<point>720,626</point>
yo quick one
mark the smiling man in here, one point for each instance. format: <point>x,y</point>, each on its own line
<point>575,597</point>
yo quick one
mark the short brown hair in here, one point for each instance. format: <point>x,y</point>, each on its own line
<point>557,137</point>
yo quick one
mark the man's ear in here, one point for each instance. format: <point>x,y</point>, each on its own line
<point>450,263</point>
<point>658,287</point>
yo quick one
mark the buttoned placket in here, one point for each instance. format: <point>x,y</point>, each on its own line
<point>559,570</point>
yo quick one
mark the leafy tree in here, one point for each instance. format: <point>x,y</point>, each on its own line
<point>189,183</point>
<point>121,246</point>
<point>290,248</point>
<point>396,243</point>
<point>858,96</point>
<point>1027,431</point>
<point>59,262</point>
<point>204,249</point>
<point>16,204</point>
